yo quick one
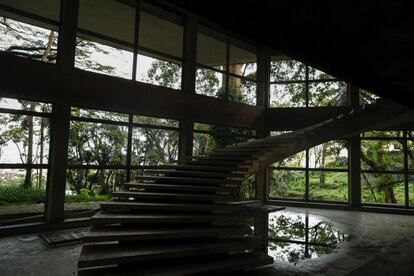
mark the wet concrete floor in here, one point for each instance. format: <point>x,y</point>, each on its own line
<point>376,244</point>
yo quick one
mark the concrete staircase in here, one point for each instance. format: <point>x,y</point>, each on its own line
<point>185,219</point>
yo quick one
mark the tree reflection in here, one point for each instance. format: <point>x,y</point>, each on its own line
<point>294,237</point>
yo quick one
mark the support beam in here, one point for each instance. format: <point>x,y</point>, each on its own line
<point>60,121</point>
<point>188,85</point>
<point>56,180</point>
<point>354,155</point>
<point>262,100</point>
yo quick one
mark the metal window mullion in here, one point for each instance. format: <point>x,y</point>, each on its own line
<point>129,148</point>
<point>406,174</point>
<point>307,176</point>
<point>226,95</point>
<point>307,86</point>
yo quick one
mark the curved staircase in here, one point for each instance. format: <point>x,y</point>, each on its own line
<point>185,219</point>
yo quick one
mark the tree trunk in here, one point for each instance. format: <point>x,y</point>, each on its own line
<point>29,161</point>
<point>389,196</point>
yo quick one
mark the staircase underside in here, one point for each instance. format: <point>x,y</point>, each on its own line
<point>184,219</point>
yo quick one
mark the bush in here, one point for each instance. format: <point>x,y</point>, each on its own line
<point>20,195</point>
<point>85,196</point>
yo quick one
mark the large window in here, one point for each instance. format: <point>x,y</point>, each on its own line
<point>113,40</point>
<point>294,84</point>
<point>386,157</point>
<point>107,149</point>
<point>29,29</point>
<point>319,174</point>
<point>228,72</point>
<point>24,155</point>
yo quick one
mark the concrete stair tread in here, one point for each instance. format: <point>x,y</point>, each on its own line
<point>107,254</point>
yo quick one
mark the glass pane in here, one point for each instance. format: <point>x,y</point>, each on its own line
<point>382,155</point>
<point>382,188</point>
<point>366,97</point>
<point>411,190</point>
<point>99,58</point>
<point>210,83</point>
<point>159,72</point>
<point>287,70</point>
<point>315,74</point>
<point>24,139</point>
<point>287,95</point>
<point>200,126</point>
<point>202,143</point>
<point>97,144</point>
<point>279,132</point>
<point>155,121</point>
<point>107,17</point>
<point>22,191</point>
<point>45,8</point>
<point>242,62</point>
<point>214,58</point>
<point>295,161</point>
<point>328,185</point>
<point>381,134</point>
<point>333,154</point>
<point>99,114</point>
<point>154,146</point>
<point>91,185</point>
<point>410,154</point>
<point>248,188</point>
<point>287,184</point>
<point>327,94</point>
<point>161,35</point>
<point>28,41</point>
<point>224,135</point>
<point>25,105</point>
<point>242,91</point>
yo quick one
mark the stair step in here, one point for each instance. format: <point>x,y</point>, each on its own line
<point>239,164</point>
<point>213,265</point>
<point>230,157</point>
<point>134,205</point>
<point>207,174</point>
<point>103,233</point>
<point>111,254</point>
<point>173,196</point>
<point>183,188</point>
<point>199,167</point>
<point>106,217</point>
<point>193,180</point>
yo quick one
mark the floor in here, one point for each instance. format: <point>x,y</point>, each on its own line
<point>379,244</point>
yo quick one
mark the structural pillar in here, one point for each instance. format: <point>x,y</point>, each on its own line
<point>262,100</point>
<point>60,121</point>
<point>188,84</point>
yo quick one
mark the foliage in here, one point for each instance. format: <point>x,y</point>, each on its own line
<point>11,194</point>
<point>85,195</point>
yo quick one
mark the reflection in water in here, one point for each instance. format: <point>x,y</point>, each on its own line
<point>294,236</point>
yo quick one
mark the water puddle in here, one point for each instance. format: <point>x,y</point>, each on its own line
<point>297,236</point>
